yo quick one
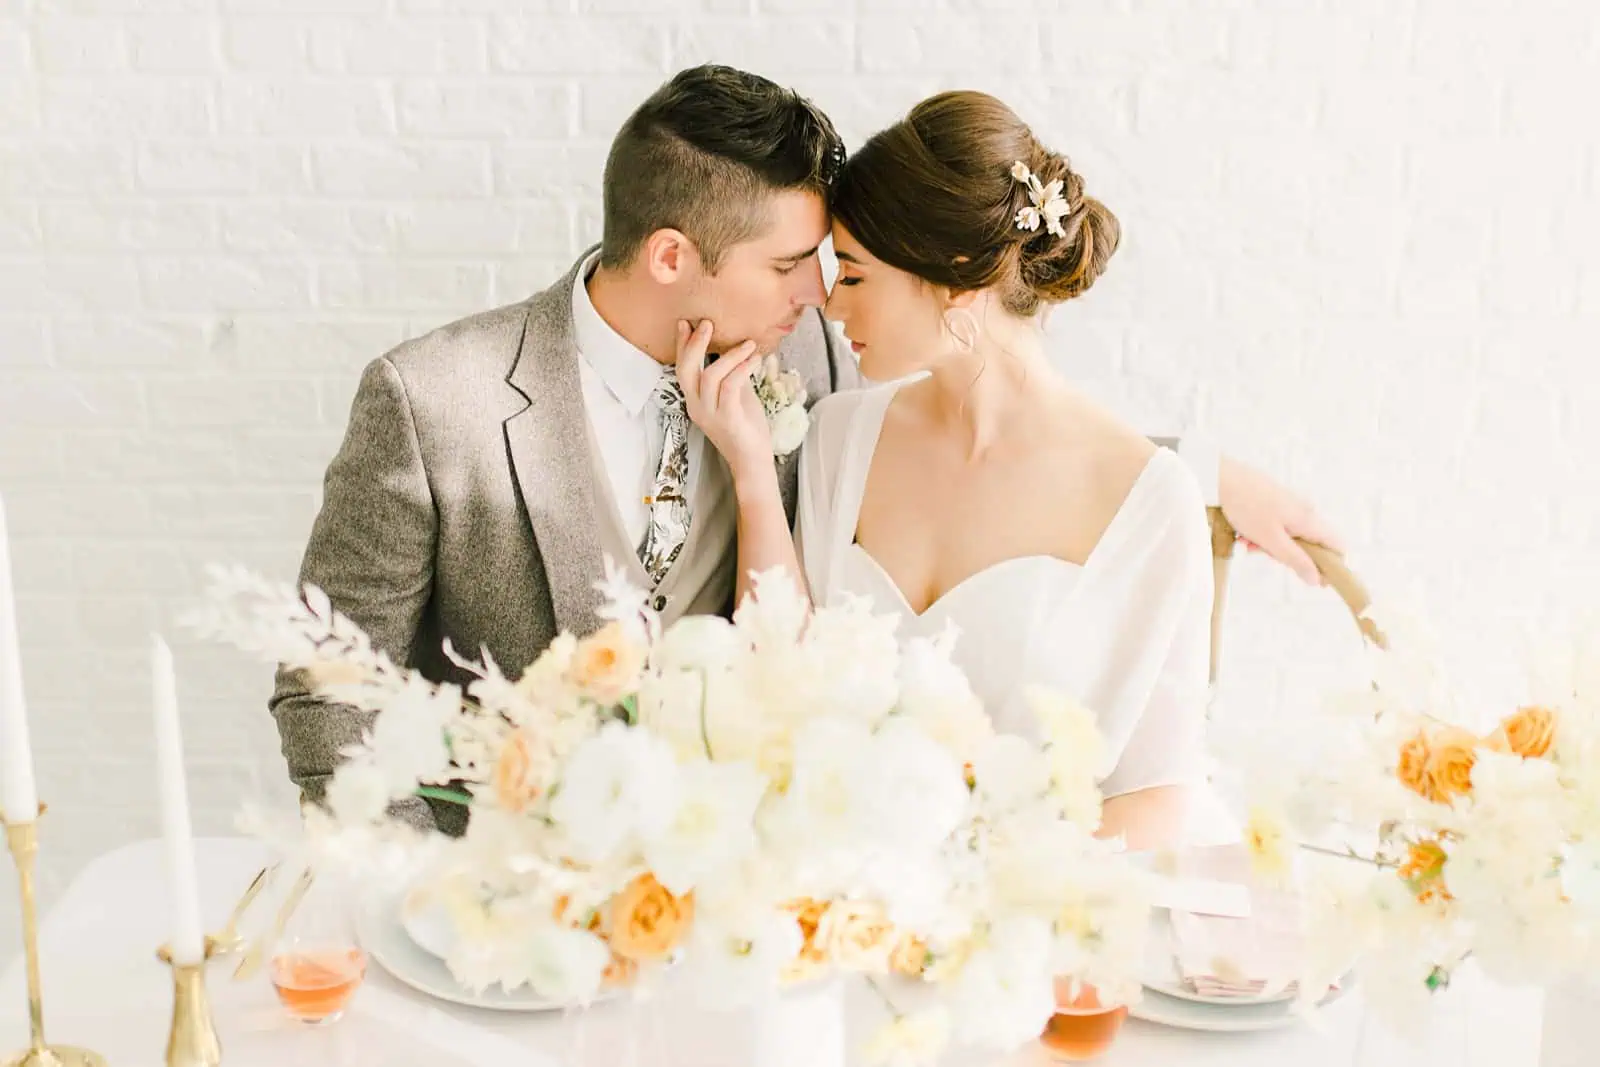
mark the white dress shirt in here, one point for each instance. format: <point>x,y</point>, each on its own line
<point>618,382</point>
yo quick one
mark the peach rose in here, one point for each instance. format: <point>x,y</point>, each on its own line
<point>1451,756</point>
<point>1529,732</point>
<point>606,664</point>
<point>515,786</point>
<point>620,972</point>
<point>856,936</point>
<point>910,957</point>
<point>647,921</point>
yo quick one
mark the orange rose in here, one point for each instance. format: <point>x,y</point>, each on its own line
<point>606,664</point>
<point>647,921</point>
<point>1529,732</point>
<point>1412,769</point>
<point>515,786</point>
<point>1438,765</point>
<point>812,957</point>
<point>1423,870</point>
<point>1450,759</point>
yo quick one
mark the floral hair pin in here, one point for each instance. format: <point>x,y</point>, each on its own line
<point>1048,203</point>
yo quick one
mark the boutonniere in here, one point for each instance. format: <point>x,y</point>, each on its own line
<point>783,398</point>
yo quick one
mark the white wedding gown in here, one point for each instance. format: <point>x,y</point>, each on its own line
<point>1127,633</point>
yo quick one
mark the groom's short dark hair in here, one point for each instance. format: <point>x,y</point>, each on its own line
<point>702,155</point>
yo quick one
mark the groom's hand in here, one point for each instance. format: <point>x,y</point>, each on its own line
<point>1268,517</point>
<point>722,401</point>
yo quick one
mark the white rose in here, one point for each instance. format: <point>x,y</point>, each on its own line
<point>713,828</point>
<point>566,965</point>
<point>789,428</point>
<point>698,643</point>
<point>936,695</point>
<point>921,792</point>
<point>620,789</point>
<point>1010,772</point>
<point>1005,994</point>
<point>737,952</point>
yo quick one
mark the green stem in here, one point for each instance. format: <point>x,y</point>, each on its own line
<point>705,734</point>
<point>883,996</point>
<point>448,795</point>
<point>1351,854</point>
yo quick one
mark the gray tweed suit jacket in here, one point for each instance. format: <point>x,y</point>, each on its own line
<point>463,504</point>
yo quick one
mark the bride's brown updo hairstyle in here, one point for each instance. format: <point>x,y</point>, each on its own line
<point>934,195</point>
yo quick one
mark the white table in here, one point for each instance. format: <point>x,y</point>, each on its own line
<point>105,989</point>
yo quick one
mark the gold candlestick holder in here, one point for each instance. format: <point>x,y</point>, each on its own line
<point>23,839</point>
<point>193,1040</point>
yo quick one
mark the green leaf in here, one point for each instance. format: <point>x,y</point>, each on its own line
<point>448,795</point>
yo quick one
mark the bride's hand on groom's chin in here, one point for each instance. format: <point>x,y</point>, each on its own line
<point>722,401</point>
<point>1268,517</point>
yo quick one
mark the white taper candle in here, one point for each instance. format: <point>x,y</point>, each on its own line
<point>188,938</point>
<point>19,802</point>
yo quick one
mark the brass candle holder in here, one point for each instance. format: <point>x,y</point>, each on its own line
<point>193,1040</point>
<point>23,840</point>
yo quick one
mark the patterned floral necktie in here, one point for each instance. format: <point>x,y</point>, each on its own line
<point>669,498</point>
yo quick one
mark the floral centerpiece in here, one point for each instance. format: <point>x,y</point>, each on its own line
<point>1478,830</point>
<point>761,801</point>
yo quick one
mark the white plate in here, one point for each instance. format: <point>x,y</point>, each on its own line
<point>1159,1008</point>
<point>383,935</point>
<point>1160,971</point>
<point>428,925</point>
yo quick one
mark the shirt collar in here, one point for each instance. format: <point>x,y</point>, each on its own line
<point>630,375</point>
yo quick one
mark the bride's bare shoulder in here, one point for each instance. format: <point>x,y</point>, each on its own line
<point>1108,449</point>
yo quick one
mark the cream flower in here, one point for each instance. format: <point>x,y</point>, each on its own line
<point>910,1040</point>
<point>1048,205</point>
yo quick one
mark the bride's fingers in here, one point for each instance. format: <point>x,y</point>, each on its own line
<point>738,378</point>
<point>692,356</point>
<point>728,364</point>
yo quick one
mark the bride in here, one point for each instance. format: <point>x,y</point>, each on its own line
<point>976,486</point>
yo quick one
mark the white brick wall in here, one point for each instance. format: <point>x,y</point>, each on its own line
<point>1361,249</point>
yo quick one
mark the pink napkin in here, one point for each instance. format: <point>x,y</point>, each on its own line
<point>1222,957</point>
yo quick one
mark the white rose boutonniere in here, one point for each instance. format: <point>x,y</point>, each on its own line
<point>783,398</point>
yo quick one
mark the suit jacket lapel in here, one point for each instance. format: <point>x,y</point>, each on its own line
<point>548,444</point>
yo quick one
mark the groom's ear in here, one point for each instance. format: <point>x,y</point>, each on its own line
<point>667,255</point>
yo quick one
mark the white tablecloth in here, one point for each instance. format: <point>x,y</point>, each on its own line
<point>105,989</point>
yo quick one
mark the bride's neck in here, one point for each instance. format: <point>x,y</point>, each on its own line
<point>982,394</point>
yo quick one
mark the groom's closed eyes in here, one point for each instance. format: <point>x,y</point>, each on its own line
<point>787,264</point>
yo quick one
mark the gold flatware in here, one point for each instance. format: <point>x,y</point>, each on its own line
<point>228,939</point>
<point>257,954</point>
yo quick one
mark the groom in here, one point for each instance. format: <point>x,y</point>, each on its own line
<point>490,466</point>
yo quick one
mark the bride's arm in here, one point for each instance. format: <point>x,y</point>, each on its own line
<point>1149,818</point>
<point>1162,667</point>
<point>722,401</point>
<point>765,541</point>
